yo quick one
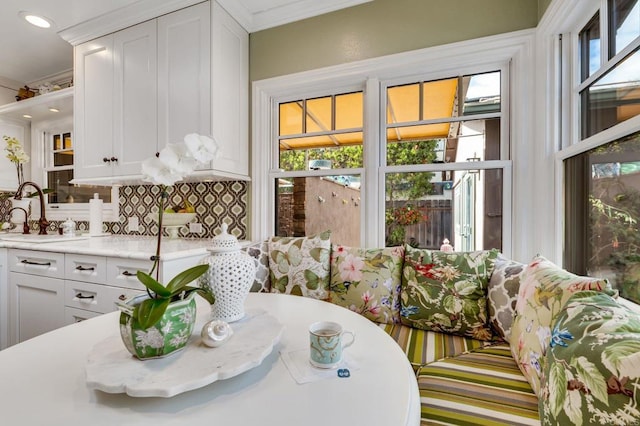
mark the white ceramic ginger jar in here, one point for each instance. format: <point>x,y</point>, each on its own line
<point>229,278</point>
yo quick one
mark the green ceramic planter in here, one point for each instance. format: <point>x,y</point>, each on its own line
<point>167,336</point>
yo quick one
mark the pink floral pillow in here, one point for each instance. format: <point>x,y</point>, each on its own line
<point>367,281</point>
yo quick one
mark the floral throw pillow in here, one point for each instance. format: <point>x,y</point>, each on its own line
<point>544,290</point>
<point>503,293</point>
<point>300,265</point>
<point>592,371</point>
<point>447,292</point>
<point>367,281</point>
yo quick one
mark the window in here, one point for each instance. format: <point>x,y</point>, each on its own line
<point>418,154</point>
<point>610,88</point>
<point>65,199</point>
<point>445,121</point>
<point>322,151</point>
<point>601,165</point>
<point>319,135</point>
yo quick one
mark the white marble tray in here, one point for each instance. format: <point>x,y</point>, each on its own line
<point>111,368</point>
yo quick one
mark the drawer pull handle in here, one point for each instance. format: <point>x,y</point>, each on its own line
<point>81,296</point>
<point>128,274</point>
<point>29,262</point>
<point>82,268</point>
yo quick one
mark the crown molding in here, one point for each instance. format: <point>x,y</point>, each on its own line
<point>119,19</point>
<point>280,15</point>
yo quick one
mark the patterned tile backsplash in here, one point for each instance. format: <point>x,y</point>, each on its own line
<point>215,203</point>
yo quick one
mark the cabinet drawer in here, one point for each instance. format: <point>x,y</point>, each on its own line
<point>91,269</point>
<point>95,297</point>
<point>43,263</point>
<point>122,272</point>
<point>74,315</point>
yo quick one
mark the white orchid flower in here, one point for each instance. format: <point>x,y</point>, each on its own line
<point>177,158</point>
<point>159,173</point>
<point>202,148</point>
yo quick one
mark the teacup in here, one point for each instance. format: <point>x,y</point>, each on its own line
<point>326,343</point>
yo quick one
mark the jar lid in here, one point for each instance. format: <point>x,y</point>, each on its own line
<point>224,242</point>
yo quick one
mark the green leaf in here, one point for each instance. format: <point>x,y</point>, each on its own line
<point>206,295</point>
<point>465,288</point>
<point>277,256</point>
<point>623,358</point>
<point>296,290</point>
<point>185,277</point>
<point>588,373</point>
<point>557,383</point>
<point>451,304</point>
<point>152,284</point>
<point>378,261</point>
<point>311,279</point>
<point>150,311</point>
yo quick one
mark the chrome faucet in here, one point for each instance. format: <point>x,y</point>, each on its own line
<point>43,223</point>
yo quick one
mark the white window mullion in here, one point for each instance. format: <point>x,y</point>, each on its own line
<point>371,230</point>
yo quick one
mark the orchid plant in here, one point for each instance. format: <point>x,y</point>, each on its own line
<point>174,163</point>
<point>16,154</point>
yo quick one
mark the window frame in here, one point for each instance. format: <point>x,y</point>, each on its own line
<point>505,51</point>
<point>40,144</point>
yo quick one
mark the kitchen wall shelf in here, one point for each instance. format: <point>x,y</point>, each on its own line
<point>38,107</point>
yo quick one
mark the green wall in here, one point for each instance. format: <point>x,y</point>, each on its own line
<point>542,7</point>
<point>382,27</point>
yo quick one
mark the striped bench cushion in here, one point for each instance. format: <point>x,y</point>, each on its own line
<point>423,347</point>
<point>484,387</point>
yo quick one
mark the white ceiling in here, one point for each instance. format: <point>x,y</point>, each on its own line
<point>31,54</point>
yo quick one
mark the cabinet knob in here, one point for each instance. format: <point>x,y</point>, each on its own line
<point>106,160</point>
<point>122,297</point>
<point>114,159</point>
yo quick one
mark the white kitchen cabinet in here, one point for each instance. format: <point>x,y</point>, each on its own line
<point>36,293</point>
<point>47,290</point>
<point>230,94</point>
<point>158,75</point>
<point>4,295</point>
<point>93,102</point>
<point>184,72</point>
<point>115,103</point>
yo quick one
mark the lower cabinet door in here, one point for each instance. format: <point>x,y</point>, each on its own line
<point>36,306</point>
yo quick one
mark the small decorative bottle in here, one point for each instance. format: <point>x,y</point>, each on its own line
<point>230,275</point>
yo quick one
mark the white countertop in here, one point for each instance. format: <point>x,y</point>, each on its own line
<point>126,246</point>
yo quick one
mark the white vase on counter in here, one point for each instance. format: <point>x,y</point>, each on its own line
<point>18,216</point>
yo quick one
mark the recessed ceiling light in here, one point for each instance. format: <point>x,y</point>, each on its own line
<point>52,109</point>
<point>37,20</point>
<point>26,116</point>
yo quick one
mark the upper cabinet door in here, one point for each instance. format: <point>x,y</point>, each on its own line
<point>93,108</point>
<point>230,94</point>
<point>184,64</point>
<point>135,97</point>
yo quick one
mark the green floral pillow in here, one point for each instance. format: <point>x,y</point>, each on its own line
<point>300,265</point>
<point>592,371</point>
<point>367,281</point>
<point>447,292</point>
<point>544,290</point>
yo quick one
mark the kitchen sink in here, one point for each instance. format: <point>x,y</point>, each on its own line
<point>35,238</point>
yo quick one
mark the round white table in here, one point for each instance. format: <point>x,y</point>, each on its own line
<point>42,380</point>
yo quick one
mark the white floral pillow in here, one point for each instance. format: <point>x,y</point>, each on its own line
<point>367,281</point>
<point>300,265</point>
